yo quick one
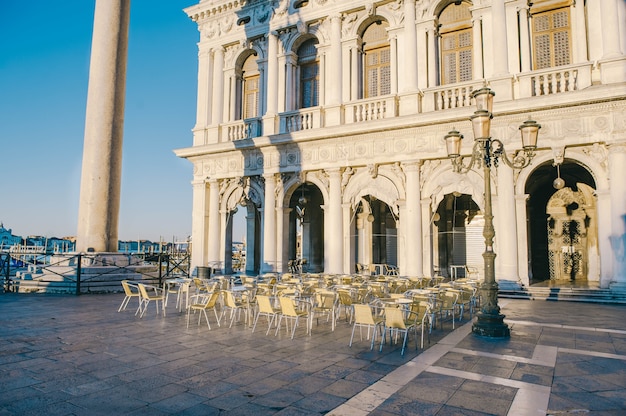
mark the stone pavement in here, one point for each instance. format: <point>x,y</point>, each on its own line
<point>69,355</point>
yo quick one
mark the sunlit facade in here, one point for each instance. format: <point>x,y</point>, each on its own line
<point>321,124</point>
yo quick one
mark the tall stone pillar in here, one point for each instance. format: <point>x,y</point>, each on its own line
<point>507,231</point>
<point>334,229</point>
<point>98,211</point>
<point>524,38</point>
<point>413,229</point>
<point>269,226</point>
<point>617,169</point>
<point>269,119</point>
<point>333,116</point>
<point>214,221</point>
<point>477,45</point>
<point>500,50</point>
<point>217,107</point>
<point>199,224</point>
<point>610,29</point>
<point>409,74</point>
<point>432,56</point>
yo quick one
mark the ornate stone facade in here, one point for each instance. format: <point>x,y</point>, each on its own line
<point>326,123</point>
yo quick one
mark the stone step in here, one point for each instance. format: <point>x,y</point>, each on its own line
<point>565,294</point>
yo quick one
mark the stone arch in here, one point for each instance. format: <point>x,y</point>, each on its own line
<point>443,180</point>
<point>364,22</point>
<point>591,164</point>
<point>435,8</point>
<point>385,186</point>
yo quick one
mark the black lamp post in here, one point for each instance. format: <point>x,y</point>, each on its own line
<point>487,151</point>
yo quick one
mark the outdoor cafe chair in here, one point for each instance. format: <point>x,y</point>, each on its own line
<point>289,311</point>
<point>180,288</point>
<point>396,321</point>
<point>204,302</point>
<point>265,307</point>
<point>363,317</point>
<point>447,306</point>
<point>324,304</point>
<point>234,306</point>
<point>345,302</point>
<point>131,290</point>
<point>148,294</point>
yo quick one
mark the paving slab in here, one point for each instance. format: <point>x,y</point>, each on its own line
<point>76,355</point>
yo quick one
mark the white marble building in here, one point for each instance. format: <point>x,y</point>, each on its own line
<point>326,118</point>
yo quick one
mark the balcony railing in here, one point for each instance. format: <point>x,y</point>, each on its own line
<point>371,109</point>
<point>241,129</point>
<point>530,84</point>
<point>555,80</point>
<point>305,119</point>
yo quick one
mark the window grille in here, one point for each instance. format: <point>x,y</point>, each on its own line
<point>309,74</point>
<point>377,60</point>
<point>456,44</point>
<point>552,38</point>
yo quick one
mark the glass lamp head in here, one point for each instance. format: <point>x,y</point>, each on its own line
<point>481,124</point>
<point>530,132</point>
<point>484,99</point>
<point>453,143</point>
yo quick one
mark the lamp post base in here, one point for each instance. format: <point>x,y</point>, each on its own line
<point>491,325</point>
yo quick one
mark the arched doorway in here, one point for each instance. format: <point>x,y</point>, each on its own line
<point>562,225</point>
<point>375,233</point>
<point>242,251</point>
<point>457,234</point>
<point>306,228</point>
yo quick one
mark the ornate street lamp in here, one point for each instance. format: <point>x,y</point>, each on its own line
<point>487,152</point>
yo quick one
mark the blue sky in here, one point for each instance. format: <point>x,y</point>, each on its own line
<point>44,67</point>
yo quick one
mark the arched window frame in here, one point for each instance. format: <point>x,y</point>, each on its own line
<point>551,33</point>
<point>376,61</point>
<point>456,44</point>
<point>248,89</point>
<point>308,74</point>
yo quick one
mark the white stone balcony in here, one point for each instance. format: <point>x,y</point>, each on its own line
<point>240,129</point>
<point>555,80</point>
<point>371,109</point>
<point>304,119</point>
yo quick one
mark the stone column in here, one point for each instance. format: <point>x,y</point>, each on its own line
<point>617,169</point>
<point>432,57</point>
<point>522,236</point>
<point>524,34</point>
<point>269,123</point>
<point>269,226</point>
<point>429,241</point>
<point>334,92</point>
<point>507,231</point>
<point>422,61</point>
<point>409,75</point>
<point>413,221</point>
<point>280,235</point>
<point>217,106</point>
<point>393,67</point>
<point>199,224</point>
<point>500,51</point>
<point>334,241</point>
<point>579,32</point>
<point>349,253</point>
<point>98,211</point>
<point>204,89</point>
<point>213,238</point>
<point>477,44</point>
<point>610,29</point>
<point>355,79</point>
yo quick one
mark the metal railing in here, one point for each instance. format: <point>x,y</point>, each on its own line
<point>81,273</point>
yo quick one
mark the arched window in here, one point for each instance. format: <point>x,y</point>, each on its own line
<point>250,88</point>
<point>377,60</point>
<point>456,43</point>
<point>309,74</point>
<point>551,30</point>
